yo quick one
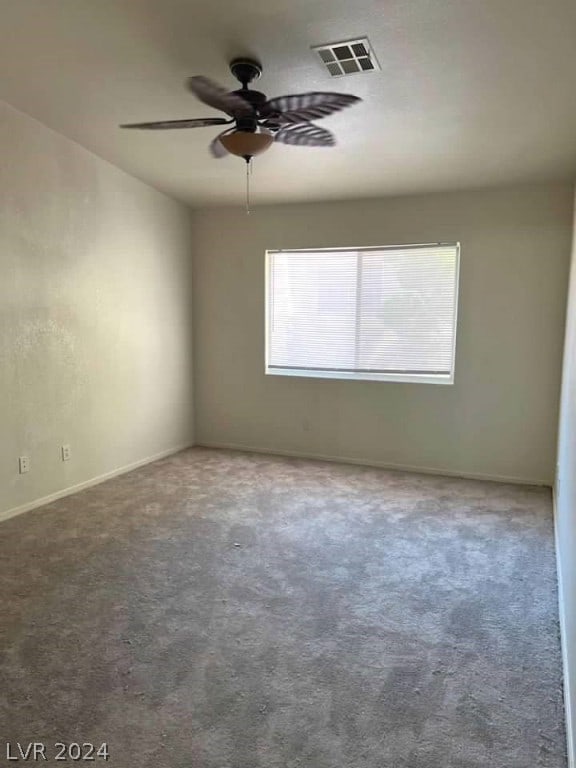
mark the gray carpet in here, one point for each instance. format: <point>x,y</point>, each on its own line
<point>228,610</point>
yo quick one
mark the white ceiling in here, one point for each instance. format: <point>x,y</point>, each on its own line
<point>471,93</point>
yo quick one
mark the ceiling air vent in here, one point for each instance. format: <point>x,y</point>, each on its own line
<point>348,57</point>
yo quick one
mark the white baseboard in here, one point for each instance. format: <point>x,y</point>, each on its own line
<point>372,463</point>
<point>570,735</point>
<point>89,483</point>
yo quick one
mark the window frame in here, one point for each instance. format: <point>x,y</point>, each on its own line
<point>404,378</point>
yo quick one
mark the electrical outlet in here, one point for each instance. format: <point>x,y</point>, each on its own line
<point>24,464</point>
<point>66,453</point>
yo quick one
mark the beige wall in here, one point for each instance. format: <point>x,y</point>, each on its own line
<point>500,417</point>
<point>95,315</point>
<point>566,508</point>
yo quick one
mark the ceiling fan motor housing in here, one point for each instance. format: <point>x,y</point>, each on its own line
<point>255,98</point>
<point>247,124</point>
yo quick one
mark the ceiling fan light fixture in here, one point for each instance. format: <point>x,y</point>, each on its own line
<point>245,144</point>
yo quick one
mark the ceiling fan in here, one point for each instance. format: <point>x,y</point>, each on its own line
<point>258,121</point>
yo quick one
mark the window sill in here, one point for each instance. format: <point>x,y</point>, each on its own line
<point>399,378</point>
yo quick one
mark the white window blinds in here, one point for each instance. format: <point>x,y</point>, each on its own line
<point>363,313</point>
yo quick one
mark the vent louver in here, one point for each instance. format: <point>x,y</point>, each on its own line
<point>349,57</point>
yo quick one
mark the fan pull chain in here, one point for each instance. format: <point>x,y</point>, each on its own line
<point>248,174</point>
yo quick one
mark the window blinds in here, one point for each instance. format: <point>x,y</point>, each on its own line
<point>363,311</point>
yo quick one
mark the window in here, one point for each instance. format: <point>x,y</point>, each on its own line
<point>387,314</point>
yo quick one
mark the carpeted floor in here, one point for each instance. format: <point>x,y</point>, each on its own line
<point>229,610</point>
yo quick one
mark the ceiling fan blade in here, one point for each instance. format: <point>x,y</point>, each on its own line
<point>217,149</point>
<point>308,106</point>
<point>161,125</point>
<point>305,134</point>
<point>215,96</point>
